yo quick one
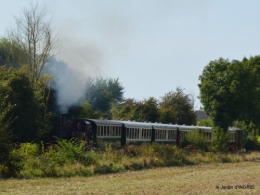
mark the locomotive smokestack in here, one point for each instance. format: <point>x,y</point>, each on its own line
<point>63,121</point>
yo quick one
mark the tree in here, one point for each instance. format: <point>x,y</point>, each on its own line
<point>102,93</point>
<point>34,38</point>
<point>150,110</point>
<point>29,46</point>
<point>6,53</point>
<point>125,110</point>
<point>5,123</point>
<point>18,108</point>
<point>177,107</point>
<point>131,109</point>
<point>251,102</point>
<point>225,89</point>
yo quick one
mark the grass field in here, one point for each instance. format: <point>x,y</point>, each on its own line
<point>199,179</point>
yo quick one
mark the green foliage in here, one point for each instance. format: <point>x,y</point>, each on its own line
<point>221,91</point>
<point>252,143</point>
<point>126,110</point>
<point>69,158</point>
<point>29,160</point>
<point>23,111</point>
<point>6,119</point>
<point>195,138</point>
<point>28,149</point>
<point>18,104</point>
<point>176,107</point>
<point>73,151</point>
<point>146,110</point>
<point>205,122</point>
<point>220,140</point>
<point>7,52</point>
<point>4,152</point>
<point>25,91</point>
<point>102,93</point>
<point>161,150</point>
<point>230,93</point>
<point>84,110</point>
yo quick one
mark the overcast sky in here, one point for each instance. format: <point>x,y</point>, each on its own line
<point>153,46</point>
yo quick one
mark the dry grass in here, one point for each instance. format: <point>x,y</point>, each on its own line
<point>199,179</point>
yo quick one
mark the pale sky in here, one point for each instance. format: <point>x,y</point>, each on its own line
<point>153,46</point>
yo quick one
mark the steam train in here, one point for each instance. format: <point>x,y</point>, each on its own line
<point>94,132</point>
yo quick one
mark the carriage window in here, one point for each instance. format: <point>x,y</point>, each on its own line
<point>132,133</point>
<point>108,131</point>
<point>163,134</point>
<point>171,135</point>
<point>146,134</point>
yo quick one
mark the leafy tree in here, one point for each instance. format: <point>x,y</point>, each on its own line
<point>28,45</point>
<point>149,109</point>
<point>23,115</point>
<point>225,89</point>
<point>5,121</point>
<point>177,107</point>
<point>251,101</point>
<point>45,105</point>
<point>131,109</point>
<point>18,107</point>
<point>7,51</point>
<point>125,111</point>
<point>102,93</point>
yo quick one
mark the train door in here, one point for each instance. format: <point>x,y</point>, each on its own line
<point>89,131</point>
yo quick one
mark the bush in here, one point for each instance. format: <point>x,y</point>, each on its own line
<point>253,143</point>
<point>13,165</point>
<point>220,140</point>
<point>195,138</point>
<point>70,152</point>
<point>4,153</point>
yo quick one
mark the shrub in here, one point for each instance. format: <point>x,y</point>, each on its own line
<point>253,143</point>
<point>220,140</point>
<point>14,164</point>
<point>4,153</point>
<point>131,150</point>
<point>195,138</point>
<point>70,151</point>
<point>28,149</point>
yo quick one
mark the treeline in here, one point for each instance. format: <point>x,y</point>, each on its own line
<point>174,107</point>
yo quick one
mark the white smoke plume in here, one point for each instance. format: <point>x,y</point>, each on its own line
<point>68,83</point>
<point>80,60</point>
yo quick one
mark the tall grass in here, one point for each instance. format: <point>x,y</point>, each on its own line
<point>70,158</point>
